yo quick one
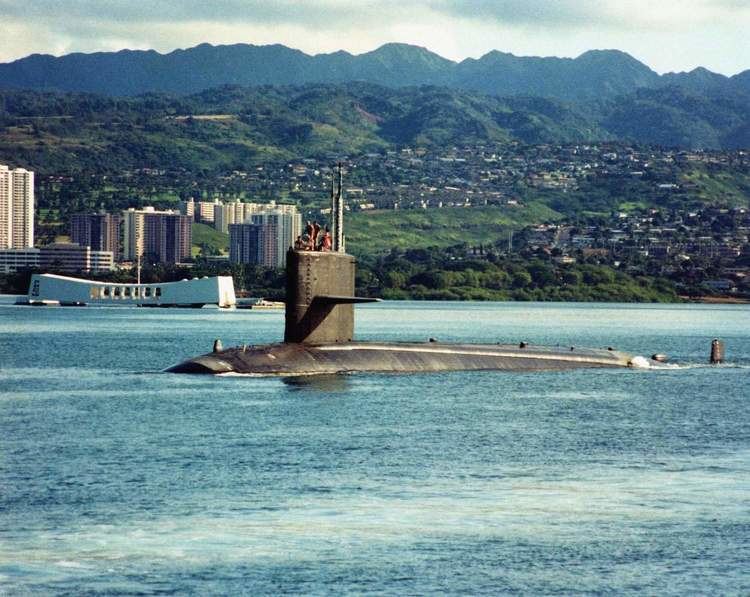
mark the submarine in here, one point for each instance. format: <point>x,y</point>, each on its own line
<point>319,331</point>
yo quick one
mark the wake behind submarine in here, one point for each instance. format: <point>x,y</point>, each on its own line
<point>319,331</point>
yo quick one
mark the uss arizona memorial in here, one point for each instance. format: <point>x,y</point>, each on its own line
<point>51,289</point>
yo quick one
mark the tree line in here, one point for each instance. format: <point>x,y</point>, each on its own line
<point>426,274</point>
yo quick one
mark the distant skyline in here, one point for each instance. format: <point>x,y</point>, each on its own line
<point>666,35</point>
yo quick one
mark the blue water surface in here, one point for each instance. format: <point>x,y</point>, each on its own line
<point>116,478</point>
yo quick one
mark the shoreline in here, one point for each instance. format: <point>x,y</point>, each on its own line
<point>698,300</point>
<point>717,300</point>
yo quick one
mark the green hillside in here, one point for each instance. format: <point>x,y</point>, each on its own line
<point>732,188</point>
<point>233,127</point>
<point>209,241</point>
<point>376,231</point>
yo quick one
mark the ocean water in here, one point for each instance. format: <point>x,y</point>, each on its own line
<point>116,478</point>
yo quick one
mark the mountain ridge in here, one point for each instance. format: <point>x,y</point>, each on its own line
<point>593,74</point>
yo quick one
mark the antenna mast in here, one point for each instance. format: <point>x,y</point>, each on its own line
<point>337,211</point>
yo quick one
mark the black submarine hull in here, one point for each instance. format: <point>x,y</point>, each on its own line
<point>295,359</point>
<point>319,330</point>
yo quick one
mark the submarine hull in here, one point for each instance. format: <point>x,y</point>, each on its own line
<point>319,329</point>
<point>295,359</point>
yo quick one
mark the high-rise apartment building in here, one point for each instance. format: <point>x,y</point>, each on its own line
<point>229,213</point>
<point>264,238</point>
<point>16,208</point>
<point>164,236</point>
<point>172,238</point>
<point>99,231</point>
<point>238,212</point>
<point>132,232</point>
<point>6,207</point>
<point>187,208</point>
<point>200,211</point>
<point>244,243</point>
<point>203,211</point>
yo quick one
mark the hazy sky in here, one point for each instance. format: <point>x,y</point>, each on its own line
<point>668,35</point>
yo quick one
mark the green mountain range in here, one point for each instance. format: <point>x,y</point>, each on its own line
<point>232,127</point>
<point>594,74</point>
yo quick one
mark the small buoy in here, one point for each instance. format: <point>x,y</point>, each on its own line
<point>659,358</point>
<point>217,345</point>
<point>717,352</point>
<point>522,345</point>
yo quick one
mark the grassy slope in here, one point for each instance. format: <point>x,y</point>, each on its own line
<point>724,187</point>
<point>376,231</point>
<point>206,235</point>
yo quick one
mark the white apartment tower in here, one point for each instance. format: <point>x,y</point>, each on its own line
<point>162,235</point>
<point>264,238</point>
<point>238,212</point>
<point>16,208</point>
<point>228,213</point>
<point>132,232</point>
<point>6,210</point>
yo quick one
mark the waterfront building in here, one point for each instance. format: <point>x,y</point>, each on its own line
<point>264,238</point>
<point>161,236</point>
<point>16,208</point>
<point>51,289</point>
<point>70,257</point>
<point>13,260</point>
<point>99,231</point>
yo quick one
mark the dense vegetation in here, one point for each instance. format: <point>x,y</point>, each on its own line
<point>233,128</point>
<point>425,274</point>
<point>454,275</point>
